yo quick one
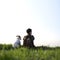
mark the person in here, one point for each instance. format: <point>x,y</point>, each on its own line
<point>28,39</point>
<point>17,43</point>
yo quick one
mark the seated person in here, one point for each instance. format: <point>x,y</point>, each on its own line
<point>17,43</point>
<point>28,39</point>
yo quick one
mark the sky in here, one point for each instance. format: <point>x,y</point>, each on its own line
<point>42,16</point>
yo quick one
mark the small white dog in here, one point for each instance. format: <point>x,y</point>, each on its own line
<point>17,43</point>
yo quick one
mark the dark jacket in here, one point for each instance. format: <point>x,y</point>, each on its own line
<point>28,40</point>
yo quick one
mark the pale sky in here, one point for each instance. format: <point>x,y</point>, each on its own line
<point>42,16</point>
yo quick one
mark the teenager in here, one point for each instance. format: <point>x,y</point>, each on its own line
<point>28,40</point>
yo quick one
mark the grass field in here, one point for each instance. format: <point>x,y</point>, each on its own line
<point>30,54</point>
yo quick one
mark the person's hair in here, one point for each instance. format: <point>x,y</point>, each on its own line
<point>29,30</point>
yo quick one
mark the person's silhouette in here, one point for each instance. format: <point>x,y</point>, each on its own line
<point>28,39</point>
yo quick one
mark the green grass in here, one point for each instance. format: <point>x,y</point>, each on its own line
<point>30,54</point>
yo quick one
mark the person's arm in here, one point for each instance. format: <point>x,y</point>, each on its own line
<point>24,41</point>
<point>24,38</point>
<point>33,38</point>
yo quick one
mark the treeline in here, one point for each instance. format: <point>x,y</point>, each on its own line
<point>10,46</point>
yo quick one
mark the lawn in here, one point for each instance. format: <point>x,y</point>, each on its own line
<point>23,53</point>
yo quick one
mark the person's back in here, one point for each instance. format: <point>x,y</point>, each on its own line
<point>28,39</point>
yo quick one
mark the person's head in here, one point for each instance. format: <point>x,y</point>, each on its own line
<point>18,37</point>
<point>29,31</point>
